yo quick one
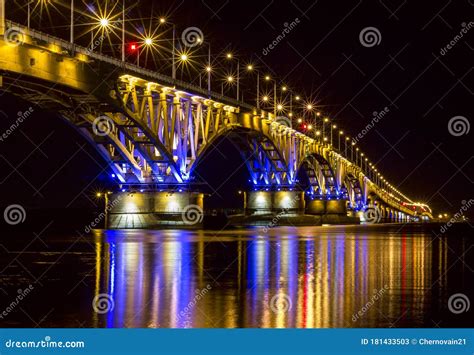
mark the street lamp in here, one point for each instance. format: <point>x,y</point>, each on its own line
<point>326,120</point>
<point>104,22</point>
<point>268,78</point>
<point>163,20</point>
<point>229,56</point>
<point>339,141</point>
<point>148,41</point>
<point>333,127</point>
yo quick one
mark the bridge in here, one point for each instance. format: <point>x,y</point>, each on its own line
<point>152,130</point>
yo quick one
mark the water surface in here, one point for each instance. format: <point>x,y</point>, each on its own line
<point>335,276</point>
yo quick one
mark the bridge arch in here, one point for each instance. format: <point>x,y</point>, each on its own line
<point>265,163</point>
<point>319,176</point>
<point>352,189</point>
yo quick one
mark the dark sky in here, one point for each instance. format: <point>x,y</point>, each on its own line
<point>322,57</point>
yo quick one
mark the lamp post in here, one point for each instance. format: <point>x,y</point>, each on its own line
<point>208,67</point>
<point>71,30</point>
<point>123,30</point>
<point>326,120</point>
<point>332,127</point>
<point>251,68</point>
<point>28,15</point>
<point>339,141</point>
<point>267,78</point>
<point>173,50</point>
<point>230,56</point>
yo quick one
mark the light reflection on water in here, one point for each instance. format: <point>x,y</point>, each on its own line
<point>290,278</point>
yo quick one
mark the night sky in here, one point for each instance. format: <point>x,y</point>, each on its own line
<point>45,163</point>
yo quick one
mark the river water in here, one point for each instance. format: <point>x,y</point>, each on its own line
<point>330,276</point>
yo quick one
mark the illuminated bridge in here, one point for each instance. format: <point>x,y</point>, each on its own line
<point>152,130</point>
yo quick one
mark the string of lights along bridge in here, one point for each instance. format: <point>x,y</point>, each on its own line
<point>152,97</point>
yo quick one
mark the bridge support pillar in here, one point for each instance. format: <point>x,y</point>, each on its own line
<point>153,209</point>
<point>331,211</point>
<point>326,207</point>
<point>265,202</point>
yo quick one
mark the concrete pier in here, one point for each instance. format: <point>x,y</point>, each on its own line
<point>331,211</point>
<point>152,209</point>
<point>269,202</point>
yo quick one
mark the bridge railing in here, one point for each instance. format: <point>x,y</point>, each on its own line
<point>162,78</point>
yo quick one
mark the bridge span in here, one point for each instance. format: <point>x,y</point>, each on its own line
<point>153,130</point>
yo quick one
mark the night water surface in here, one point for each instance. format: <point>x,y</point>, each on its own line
<point>334,276</point>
